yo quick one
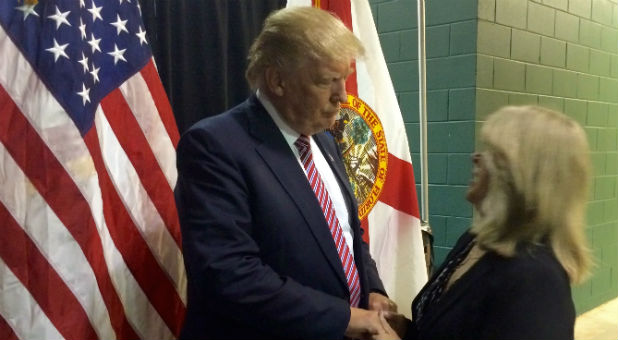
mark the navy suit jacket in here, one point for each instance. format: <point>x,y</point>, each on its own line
<point>260,259</point>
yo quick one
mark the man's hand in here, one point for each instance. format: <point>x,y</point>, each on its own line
<point>364,324</point>
<point>379,302</point>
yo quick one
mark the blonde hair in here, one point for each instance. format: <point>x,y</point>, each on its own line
<point>538,167</point>
<point>293,36</point>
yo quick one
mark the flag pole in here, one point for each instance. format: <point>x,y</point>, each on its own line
<point>422,103</point>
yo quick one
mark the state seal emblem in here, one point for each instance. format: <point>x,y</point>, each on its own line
<point>360,136</point>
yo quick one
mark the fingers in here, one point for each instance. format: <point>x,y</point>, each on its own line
<point>383,322</point>
<point>363,323</point>
<point>380,302</point>
<point>386,333</point>
<point>397,322</point>
<point>392,306</point>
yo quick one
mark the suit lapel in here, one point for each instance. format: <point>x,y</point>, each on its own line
<point>331,155</point>
<point>276,153</point>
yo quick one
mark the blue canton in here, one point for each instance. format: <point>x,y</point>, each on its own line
<point>81,49</point>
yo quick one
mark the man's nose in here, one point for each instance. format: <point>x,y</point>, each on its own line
<point>339,92</point>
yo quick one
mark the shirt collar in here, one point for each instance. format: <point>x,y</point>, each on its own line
<point>289,134</point>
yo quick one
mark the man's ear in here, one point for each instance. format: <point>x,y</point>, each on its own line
<point>274,80</point>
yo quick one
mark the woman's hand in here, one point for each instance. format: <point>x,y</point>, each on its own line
<point>386,332</point>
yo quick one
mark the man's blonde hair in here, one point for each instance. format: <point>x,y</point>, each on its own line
<point>293,36</point>
<point>538,167</point>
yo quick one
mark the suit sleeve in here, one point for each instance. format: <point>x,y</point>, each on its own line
<point>532,301</point>
<point>223,261</point>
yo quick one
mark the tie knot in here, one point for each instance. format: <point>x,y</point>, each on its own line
<point>302,143</point>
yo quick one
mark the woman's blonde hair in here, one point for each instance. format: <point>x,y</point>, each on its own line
<point>538,167</point>
<point>293,36</point>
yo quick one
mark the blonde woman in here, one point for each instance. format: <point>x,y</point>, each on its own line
<point>509,276</point>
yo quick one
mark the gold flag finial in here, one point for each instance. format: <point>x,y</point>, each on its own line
<point>31,2</point>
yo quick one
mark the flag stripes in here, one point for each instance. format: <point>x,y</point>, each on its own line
<point>123,232</point>
<point>149,248</point>
<point>151,78</point>
<point>55,243</point>
<point>92,241</point>
<point>17,302</point>
<point>15,245</point>
<point>143,161</point>
<point>62,194</point>
<point>5,329</point>
<point>151,126</point>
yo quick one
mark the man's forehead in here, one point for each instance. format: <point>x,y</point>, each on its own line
<point>332,68</point>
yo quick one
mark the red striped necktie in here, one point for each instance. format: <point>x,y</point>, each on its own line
<point>347,260</point>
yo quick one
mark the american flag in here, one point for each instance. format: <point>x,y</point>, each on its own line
<point>90,241</point>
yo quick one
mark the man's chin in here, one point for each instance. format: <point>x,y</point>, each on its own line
<point>331,124</point>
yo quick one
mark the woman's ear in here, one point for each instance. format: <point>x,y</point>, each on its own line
<point>274,81</point>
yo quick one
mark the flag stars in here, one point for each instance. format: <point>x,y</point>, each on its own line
<point>95,73</point>
<point>84,62</point>
<point>60,18</point>
<point>85,94</point>
<point>58,50</point>
<point>142,36</point>
<point>118,54</point>
<point>82,28</point>
<point>27,10</point>
<point>120,25</point>
<point>95,37</point>
<point>94,43</point>
<point>96,12</point>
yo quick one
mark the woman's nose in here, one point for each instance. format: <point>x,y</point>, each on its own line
<point>476,157</point>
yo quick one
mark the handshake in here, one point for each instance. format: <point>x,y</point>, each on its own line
<point>381,321</point>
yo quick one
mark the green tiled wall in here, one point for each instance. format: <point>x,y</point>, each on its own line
<point>484,54</point>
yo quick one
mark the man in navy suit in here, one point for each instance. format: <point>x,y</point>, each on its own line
<point>259,243</point>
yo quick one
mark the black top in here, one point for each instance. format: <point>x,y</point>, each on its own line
<point>527,296</point>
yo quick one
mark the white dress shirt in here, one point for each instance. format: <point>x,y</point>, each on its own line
<point>326,173</point>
